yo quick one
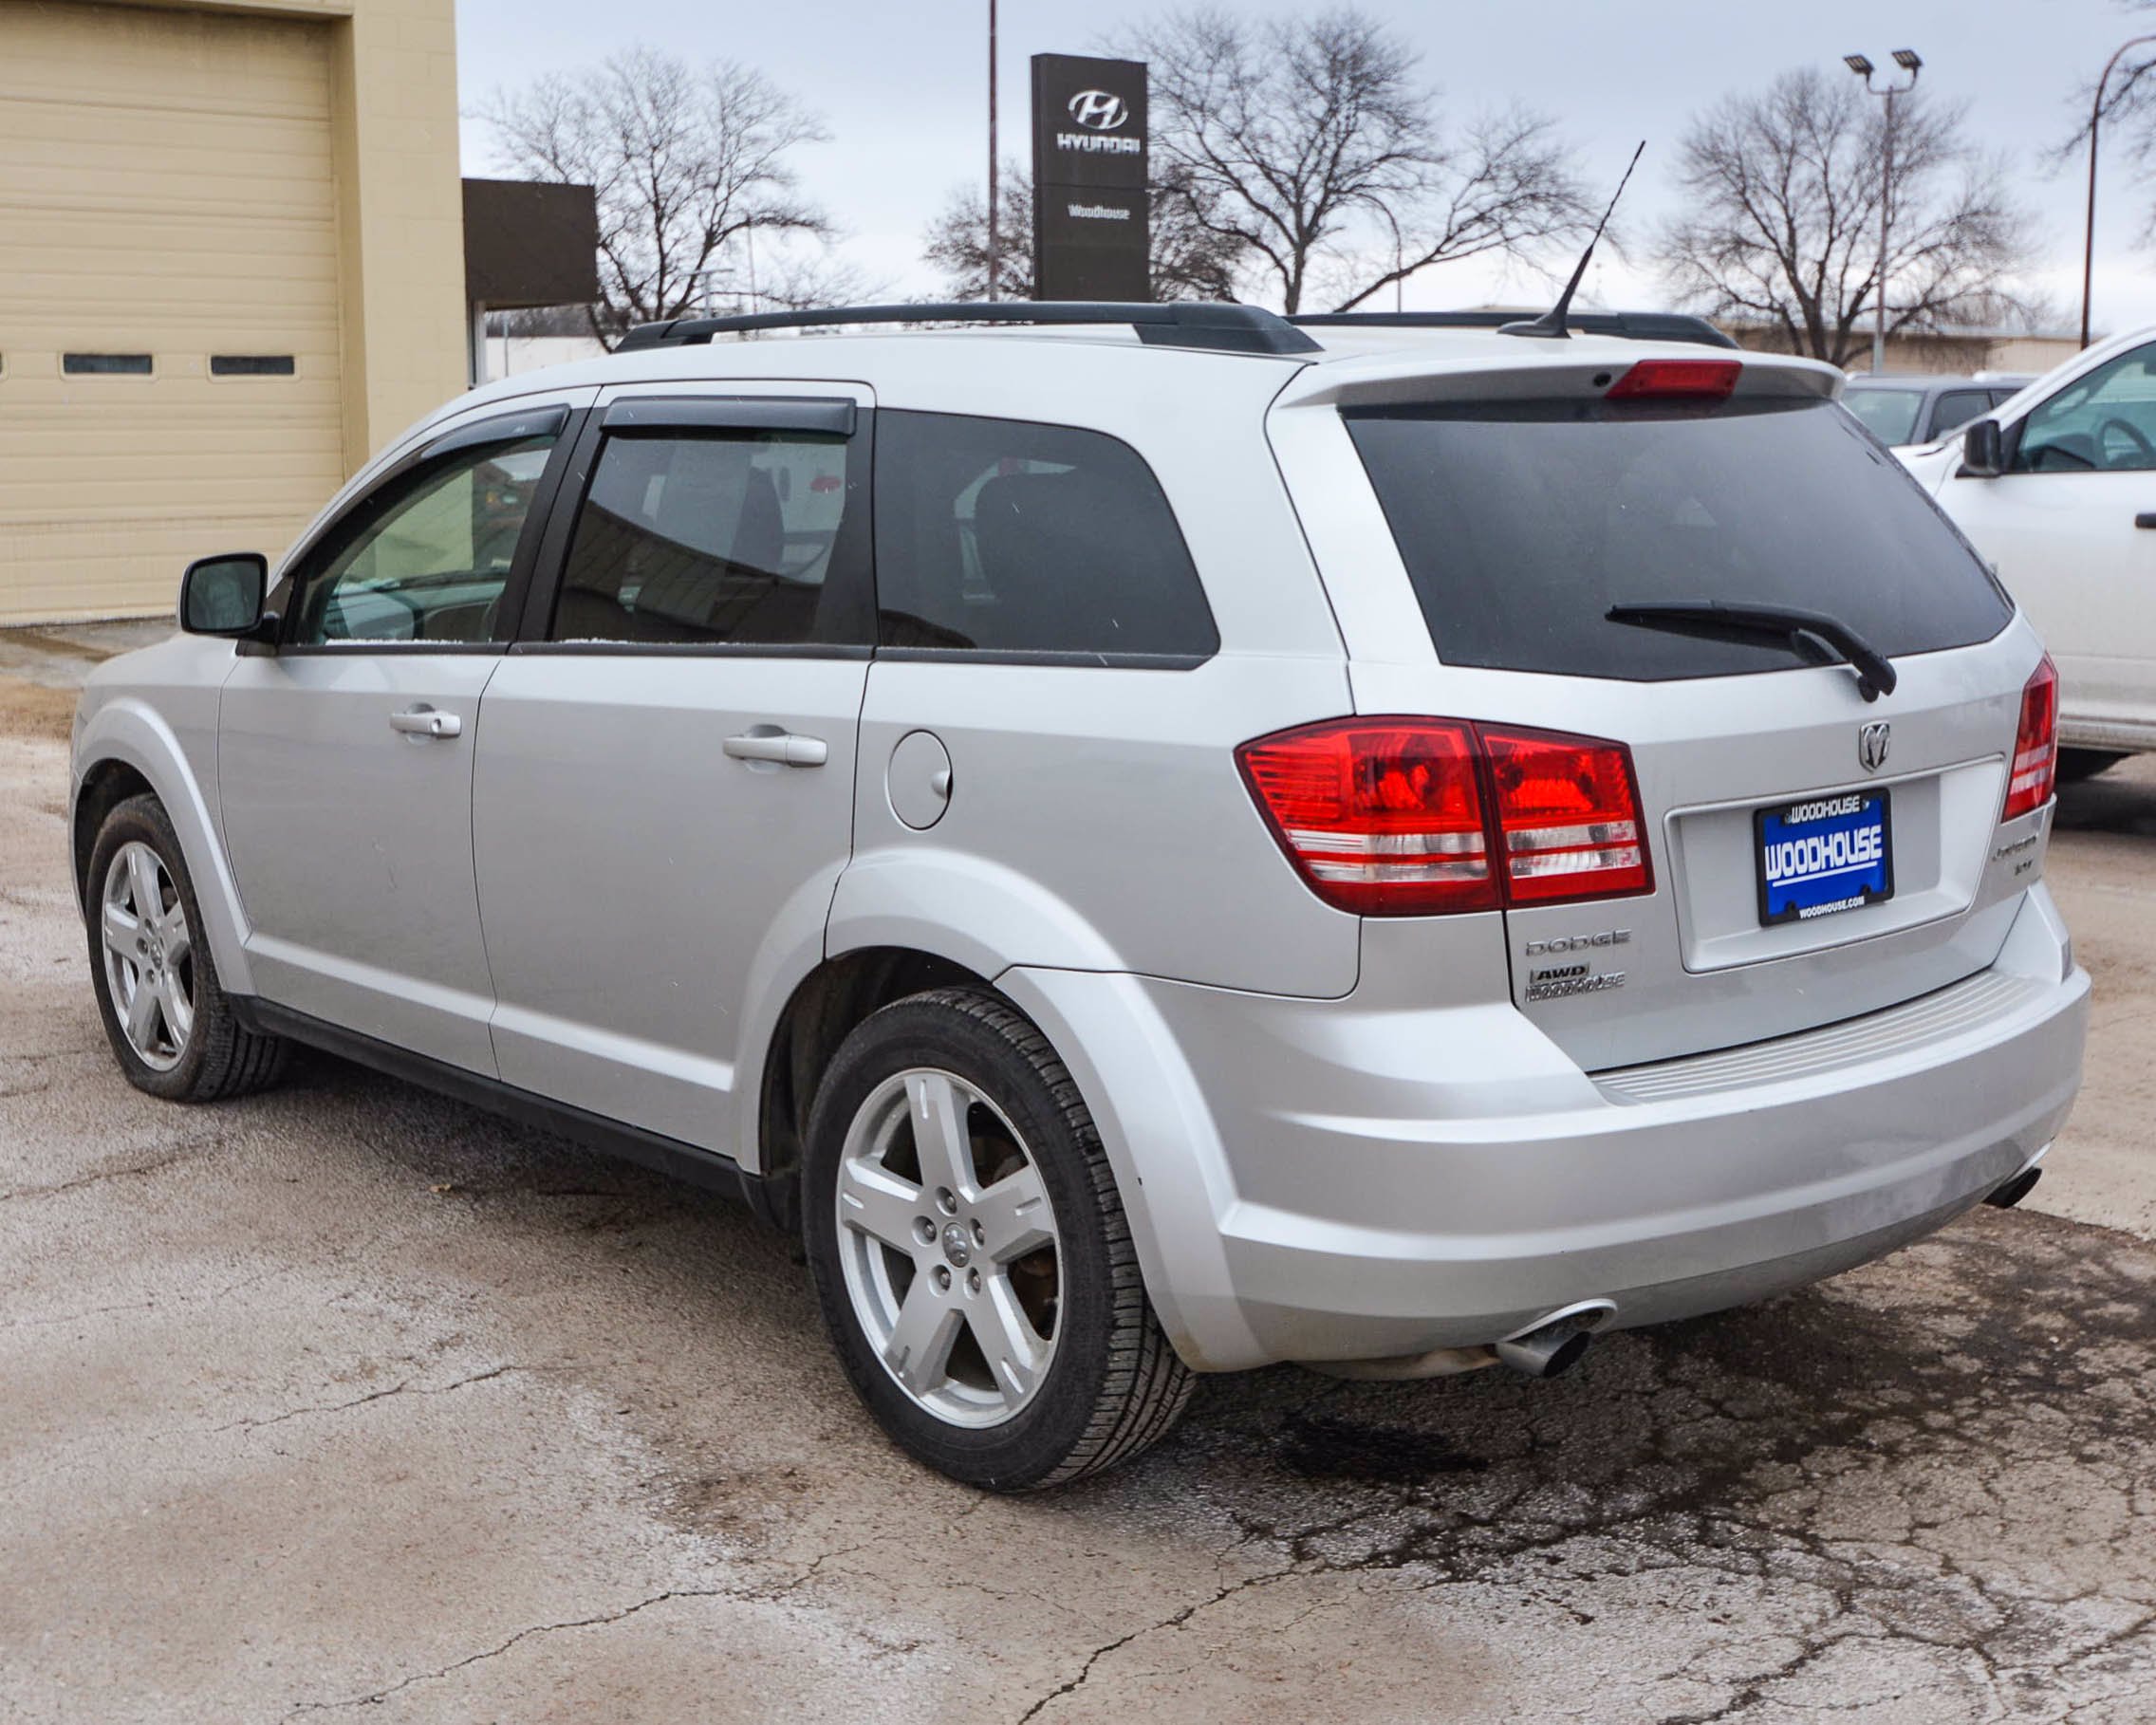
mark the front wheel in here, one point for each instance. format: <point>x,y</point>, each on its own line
<point>168,1019</point>
<point>971,1254</point>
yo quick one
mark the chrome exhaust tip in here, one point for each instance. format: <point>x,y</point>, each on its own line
<point>2006,1196</point>
<point>1556,1344</point>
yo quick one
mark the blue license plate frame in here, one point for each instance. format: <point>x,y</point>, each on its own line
<point>1846,870</point>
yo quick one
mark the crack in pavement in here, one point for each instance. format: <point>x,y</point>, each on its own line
<point>378,1696</point>
<point>380,1395</point>
<point>156,1164</point>
<point>1176,1622</point>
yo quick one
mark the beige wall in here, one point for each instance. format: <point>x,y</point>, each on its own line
<point>400,215</point>
<point>250,176</point>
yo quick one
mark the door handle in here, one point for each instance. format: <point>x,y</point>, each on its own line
<point>424,721</point>
<point>2145,519</point>
<point>779,746</point>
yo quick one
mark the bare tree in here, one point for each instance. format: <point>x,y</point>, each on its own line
<point>691,168</point>
<point>1311,147</point>
<point>1189,259</point>
<point>1781,227</point>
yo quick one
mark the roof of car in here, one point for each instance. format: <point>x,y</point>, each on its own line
<point>1348,357</point>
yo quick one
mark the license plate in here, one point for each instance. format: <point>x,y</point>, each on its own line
<point>1824,855</point>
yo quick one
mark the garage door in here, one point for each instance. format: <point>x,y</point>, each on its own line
<point>168,302</point>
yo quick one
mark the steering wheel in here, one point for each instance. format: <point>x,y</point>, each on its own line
<point>2133,434</point>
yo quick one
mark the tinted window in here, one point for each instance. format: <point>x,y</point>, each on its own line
<point>1522,523</point>
<point>430,554</point>
<point>702,538</point>
<point>253,365</point>
<point>1005,536</point>
<point>1954,408</point>
<point>1889,415</point>
<point>2105,421</point>
<point>106,364</point>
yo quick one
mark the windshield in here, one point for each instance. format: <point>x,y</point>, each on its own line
<point>1889,415</point>
<point>1521,523</point>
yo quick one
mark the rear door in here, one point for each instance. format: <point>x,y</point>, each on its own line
<point>2071,528</point>
<point>345,757</point>
<point>664,778</point>
<point>1513,523</point>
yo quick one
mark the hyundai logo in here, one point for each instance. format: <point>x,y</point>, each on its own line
<point>1098,111</point>
<point>1872,742</point>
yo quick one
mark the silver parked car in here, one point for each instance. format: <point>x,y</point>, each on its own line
<point>1384,847</point>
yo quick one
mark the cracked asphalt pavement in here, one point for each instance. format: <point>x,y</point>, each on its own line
<point>348,1400</point>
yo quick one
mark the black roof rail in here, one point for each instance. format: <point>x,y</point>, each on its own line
<point>1633,325</point>
<point>1225,328</point>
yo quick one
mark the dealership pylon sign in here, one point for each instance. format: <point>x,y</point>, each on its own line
<point>1090,213</point>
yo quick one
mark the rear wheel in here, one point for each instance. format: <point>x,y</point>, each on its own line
<point>169,1022</point>
<point>971,1252</point>
<point>2078,763</point>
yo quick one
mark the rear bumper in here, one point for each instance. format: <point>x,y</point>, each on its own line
<point>1384,1181</point>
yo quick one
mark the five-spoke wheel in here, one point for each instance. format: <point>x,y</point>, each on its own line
<point>970,1252</point>
<point>149,956</point>
<point>948,1248</point>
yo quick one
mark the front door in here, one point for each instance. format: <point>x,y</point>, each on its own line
<point>664,799</point>
<point>345,758</point>
<point>2071,528</point>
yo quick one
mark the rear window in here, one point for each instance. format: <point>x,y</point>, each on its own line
<point>1004,536</point>
<point>1522,523</point>
<point>1889,415</point>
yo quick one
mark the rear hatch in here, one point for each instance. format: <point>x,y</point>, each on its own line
<point>1815,854</point>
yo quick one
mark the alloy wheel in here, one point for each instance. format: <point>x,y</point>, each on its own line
<point>149,956</point>
<point>948,1241</point>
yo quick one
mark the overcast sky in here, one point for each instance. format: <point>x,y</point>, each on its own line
<point>902,86</point>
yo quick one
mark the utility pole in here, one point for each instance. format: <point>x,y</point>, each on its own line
<point>995,248</point>
<point>2088,230</point>
<point>1910,62</point>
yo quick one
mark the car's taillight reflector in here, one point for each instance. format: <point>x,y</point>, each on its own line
<point>1402,817</point>
<point>2035,744</point>
<point>1568,816</point>
<point>1646,379</point>
<point>1383,817</point>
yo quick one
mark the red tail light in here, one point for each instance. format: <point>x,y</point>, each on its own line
<point>1568,816</point>
<point>2035,744</point>
<point>1381,817</point>
<point>1645,379</point>
<point>1402,817</point>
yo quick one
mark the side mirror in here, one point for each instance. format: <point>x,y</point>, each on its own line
<point>1984,450</point>
<point>223,595</point>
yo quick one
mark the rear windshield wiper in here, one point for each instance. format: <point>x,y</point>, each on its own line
<point>1712,620</point>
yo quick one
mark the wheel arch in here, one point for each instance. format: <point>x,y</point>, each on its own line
<point>128,750</point>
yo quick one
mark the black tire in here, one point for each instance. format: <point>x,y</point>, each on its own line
<point>1113,1385</point>
<point>2078,763</point>
<point>220,1059</point>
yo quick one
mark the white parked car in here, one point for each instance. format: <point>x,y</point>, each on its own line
<point>2056,489</point>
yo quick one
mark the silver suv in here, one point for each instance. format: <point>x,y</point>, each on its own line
<point>1384,847</point>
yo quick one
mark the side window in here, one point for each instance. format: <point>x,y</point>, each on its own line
<point>1005,536</point>
<point>704,538</point>
<point>1956,408</point>
<point>2102,422</point>
<point>430,554</point>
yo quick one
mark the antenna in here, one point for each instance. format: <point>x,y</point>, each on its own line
<point>1550,324</point>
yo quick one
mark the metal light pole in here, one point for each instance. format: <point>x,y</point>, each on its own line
<point>2088,230</point>
<point>995,248</point>
<point>1908,61</point>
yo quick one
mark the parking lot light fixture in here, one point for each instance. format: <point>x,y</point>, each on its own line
<point>1911,63</point>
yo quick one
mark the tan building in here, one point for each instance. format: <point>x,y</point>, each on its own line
<point>230,269</point>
